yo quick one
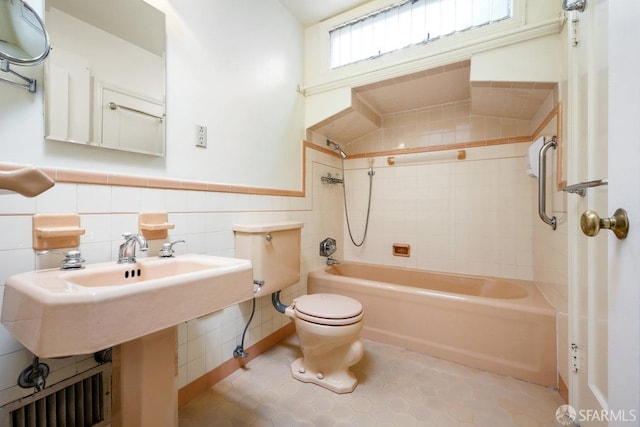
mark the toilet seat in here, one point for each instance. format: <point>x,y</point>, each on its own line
<point>328,309</point>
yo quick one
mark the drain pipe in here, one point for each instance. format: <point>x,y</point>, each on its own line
<point>275,300</point>
<point>104,356</point>
<point>34,375</point>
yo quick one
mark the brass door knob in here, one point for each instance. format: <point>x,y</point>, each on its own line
<point>591,223</point>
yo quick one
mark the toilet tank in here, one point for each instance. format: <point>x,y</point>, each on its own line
<point>274,251</point>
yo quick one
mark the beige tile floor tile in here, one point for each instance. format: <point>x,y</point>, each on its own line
<point>396,387</point>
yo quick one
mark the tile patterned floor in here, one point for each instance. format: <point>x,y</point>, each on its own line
<point>396,387</point>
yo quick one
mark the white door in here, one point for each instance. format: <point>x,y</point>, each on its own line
<point>604,271</point>
<point>624,192</point>
<point>587,127</point>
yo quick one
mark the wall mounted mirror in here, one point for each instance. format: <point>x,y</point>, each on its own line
<point>23,40</point>
<point>105,78</point>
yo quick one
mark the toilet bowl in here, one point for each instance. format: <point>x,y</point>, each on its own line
<point>328,328</point>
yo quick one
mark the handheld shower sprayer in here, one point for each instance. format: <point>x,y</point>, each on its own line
<point>337,148</point>
<point>371,173</point>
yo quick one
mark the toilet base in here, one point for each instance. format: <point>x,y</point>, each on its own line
<point>338,381</point>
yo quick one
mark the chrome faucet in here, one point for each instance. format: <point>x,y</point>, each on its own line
<point>127,252</point>
<point>167,249</point>
<point>328,248</point>
<point>72,259</point>
<point>332,261</point>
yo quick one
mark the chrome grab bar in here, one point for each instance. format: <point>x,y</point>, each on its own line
<point>542,183</point>
<point>114,106</point>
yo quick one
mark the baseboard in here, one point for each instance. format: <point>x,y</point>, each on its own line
<point>211,378</point>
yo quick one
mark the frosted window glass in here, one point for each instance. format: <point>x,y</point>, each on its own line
<point>404,26</point>
<point>410,23</point>
<point>433,19</point>
<point>368,40</point>
<point>447,17</point>
<point>379,27</point>
<point>345,45</point>
<point>418,23</point>
<point>356,41</point>
<point>464,9</point>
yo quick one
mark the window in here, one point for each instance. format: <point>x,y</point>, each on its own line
<point>410,23</point>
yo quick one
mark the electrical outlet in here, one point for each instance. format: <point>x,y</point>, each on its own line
<point>201,137</point>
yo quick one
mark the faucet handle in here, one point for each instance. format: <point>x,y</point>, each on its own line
<point>72,259</point>
<point>167,249</point>
<point>328,247</point>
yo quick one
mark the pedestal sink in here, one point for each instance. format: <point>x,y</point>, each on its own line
<point>61,312</point>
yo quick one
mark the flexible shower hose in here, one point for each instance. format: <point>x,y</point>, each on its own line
<point>346,209</point>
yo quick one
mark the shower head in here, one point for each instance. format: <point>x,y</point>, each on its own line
<point>337,148</point>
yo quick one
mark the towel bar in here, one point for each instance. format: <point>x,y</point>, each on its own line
<point>114,106</point>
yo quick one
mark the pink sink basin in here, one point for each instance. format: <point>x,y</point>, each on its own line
<point>60,313</point>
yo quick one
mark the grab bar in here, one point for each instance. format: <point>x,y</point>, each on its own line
<point>542,183</point>
<point>114,106</point>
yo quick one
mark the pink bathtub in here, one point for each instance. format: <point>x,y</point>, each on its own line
<point>499,325</point>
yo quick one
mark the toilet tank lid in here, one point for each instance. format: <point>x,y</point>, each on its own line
<point>267,227</point>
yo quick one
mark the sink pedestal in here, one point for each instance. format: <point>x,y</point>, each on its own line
<point>149,380</point>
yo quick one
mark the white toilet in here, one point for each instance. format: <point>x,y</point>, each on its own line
<point>327,325</point>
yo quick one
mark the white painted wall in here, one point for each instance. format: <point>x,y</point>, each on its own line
<point>233,67</point>
<point>537,60</point>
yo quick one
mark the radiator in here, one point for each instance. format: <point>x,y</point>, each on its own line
<point>80,401</point>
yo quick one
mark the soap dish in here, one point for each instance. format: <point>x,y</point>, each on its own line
<point>56,231</point>
<point>154,225</point>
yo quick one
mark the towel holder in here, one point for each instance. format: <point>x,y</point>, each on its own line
<point>542,183</point>
<point>114,106</point>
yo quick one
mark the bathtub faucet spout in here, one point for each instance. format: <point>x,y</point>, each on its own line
<point>332,261</point>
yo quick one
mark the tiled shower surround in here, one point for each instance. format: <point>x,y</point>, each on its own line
<point>436,126</point>
<point>472,216</point>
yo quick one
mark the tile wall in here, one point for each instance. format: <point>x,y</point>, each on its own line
<point>443,124</point>
<point>472,216</point>
<point>203,219</point>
